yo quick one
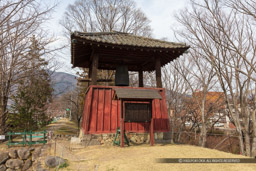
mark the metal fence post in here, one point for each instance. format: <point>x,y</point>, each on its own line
<point>44,135</point>
<point>24,138</point>
<point>9,141</point>
<point>30,139</point>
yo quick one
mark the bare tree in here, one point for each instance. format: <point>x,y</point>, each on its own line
<point>19,21</point>
<point>247,7</point>
<point>225,38</point>
<point>74,100</point>
<point>104,16</point>
<point>200,77</point>
<point>176,90</point>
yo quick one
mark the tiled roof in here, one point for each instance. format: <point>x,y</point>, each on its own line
<point>126,39</point>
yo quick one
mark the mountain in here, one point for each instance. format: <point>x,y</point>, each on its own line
<point>63,82</point>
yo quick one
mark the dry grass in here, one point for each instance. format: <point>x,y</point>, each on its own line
<point>143,158</point>
<point>63,127</point>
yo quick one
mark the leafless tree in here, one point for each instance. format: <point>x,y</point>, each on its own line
<point>247,7</point>
<point>176,90</point>
<point>19,21</point>
<point>200,77</point>
<point>225,36</point>
<point>105,16</point>
<point>74,100</point>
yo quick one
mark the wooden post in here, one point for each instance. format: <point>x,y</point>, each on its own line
<point>55,147</point>
<point>122,125</point>
<point>140,78</point>
<point>90,71</point>
<point>152,132</point>
<point>95,60</point>
<point>158,72</point>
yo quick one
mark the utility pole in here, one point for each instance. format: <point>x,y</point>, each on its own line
<point>67,109</point>
<point>70,115</point>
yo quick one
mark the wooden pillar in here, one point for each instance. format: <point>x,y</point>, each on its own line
<point>151,125</point>
<point>122,125</point>
<point>94,65</point>
<point>158,72</point>
<point>152,132</point>
<point>90,71</point>
<point>140,78</point>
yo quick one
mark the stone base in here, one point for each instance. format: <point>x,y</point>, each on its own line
<point>134,138</point>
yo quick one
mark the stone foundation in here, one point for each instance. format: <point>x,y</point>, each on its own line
<point>134,138</point>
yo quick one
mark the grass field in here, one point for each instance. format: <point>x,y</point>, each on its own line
<point>144,158</point>
<point>133,158</point>
<point>63,127</point>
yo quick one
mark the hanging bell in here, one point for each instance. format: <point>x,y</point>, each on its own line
<point>122,76</point>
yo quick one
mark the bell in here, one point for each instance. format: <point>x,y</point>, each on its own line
<point>122,76</point>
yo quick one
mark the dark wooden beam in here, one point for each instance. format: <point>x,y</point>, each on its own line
<point>95,61</point>
<point>151,126</point>
<point>122,125</point>
<point>90,71</point>
<point>140,78</point>
<point>98,80</point>
<point>158,72</point>
<point>90,64</point>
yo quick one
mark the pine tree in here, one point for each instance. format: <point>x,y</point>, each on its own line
<point>33,94</point>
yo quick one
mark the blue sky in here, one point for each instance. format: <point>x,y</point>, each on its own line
<point>160,13</point>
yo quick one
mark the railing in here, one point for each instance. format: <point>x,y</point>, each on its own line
<point>27,138</point>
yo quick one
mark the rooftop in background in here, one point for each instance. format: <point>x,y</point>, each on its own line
<point>116,48</point>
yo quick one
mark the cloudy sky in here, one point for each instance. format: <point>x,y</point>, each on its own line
<point>160,12</point>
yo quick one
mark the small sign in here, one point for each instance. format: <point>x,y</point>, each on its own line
<point>2,137</point>
<point>67,109</point>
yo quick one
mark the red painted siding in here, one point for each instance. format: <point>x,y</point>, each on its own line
<point>102,113</point>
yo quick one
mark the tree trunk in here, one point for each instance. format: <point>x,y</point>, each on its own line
<point>241,142</point>
<point>179,134</point>
<point>172,130</point>
<point>172,122</point>
<point>253,153</point>
<point>2,117</point>
<point>202,138</point>
<point>247,144</point>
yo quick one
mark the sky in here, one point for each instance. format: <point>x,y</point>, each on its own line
<point>159,12</point>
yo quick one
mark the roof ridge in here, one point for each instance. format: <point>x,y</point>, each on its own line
<point>129,34</point>
<point>98,33</point>
<point>122,38</point>
<point>157,40</point>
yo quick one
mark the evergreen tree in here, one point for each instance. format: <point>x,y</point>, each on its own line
<point>33,94</point>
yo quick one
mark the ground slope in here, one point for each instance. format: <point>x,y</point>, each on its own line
<point>142,157</point>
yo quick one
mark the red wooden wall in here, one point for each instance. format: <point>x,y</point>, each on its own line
<point>102,113</point>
